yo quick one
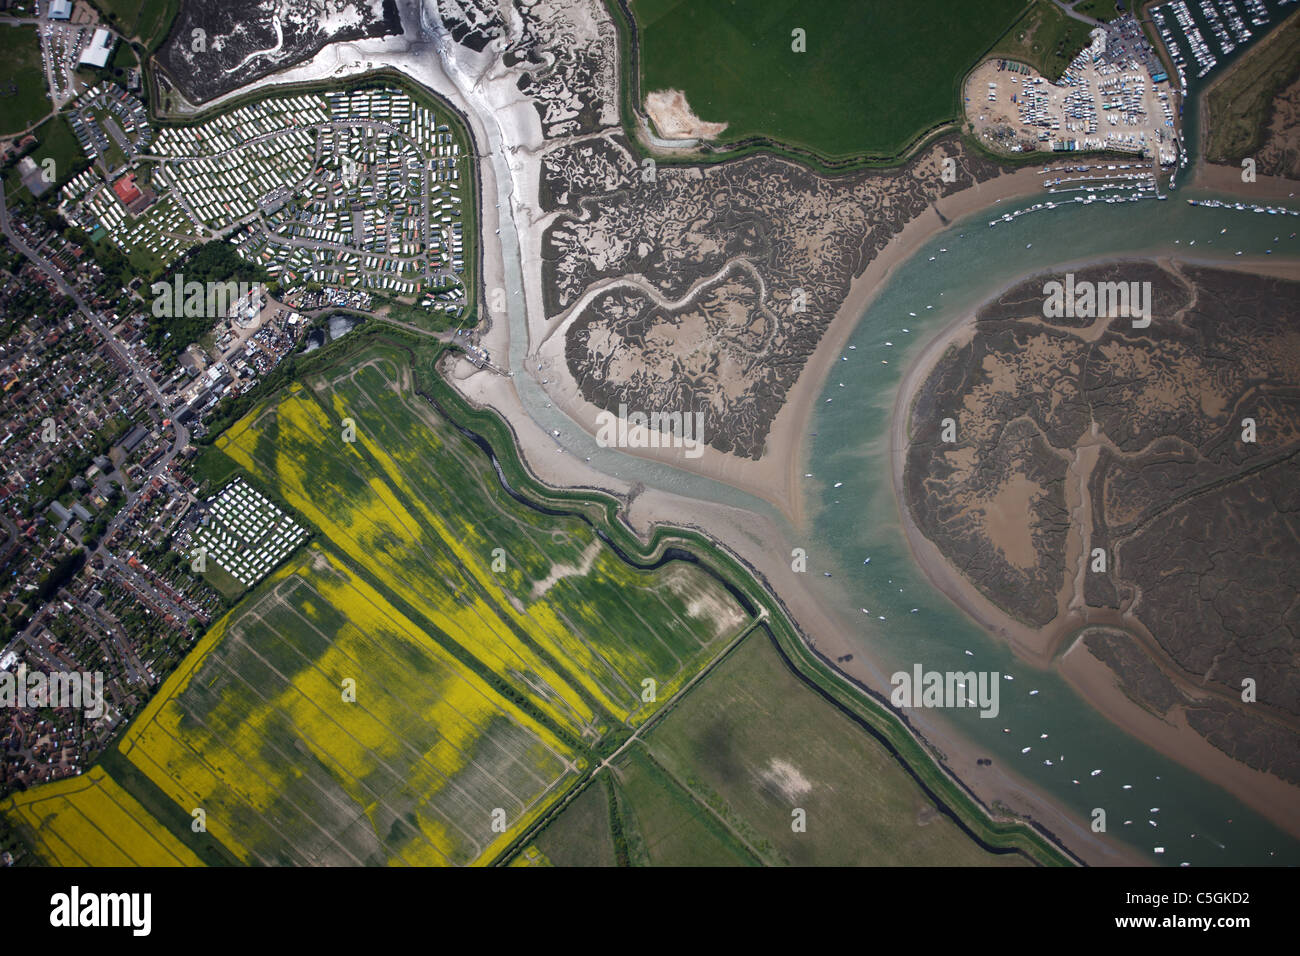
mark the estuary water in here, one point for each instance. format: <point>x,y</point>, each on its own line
<point>1150,800</point>
<point>909,621</point>
<point>1194,822</point>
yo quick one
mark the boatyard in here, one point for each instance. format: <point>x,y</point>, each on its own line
<point>1113,97</point>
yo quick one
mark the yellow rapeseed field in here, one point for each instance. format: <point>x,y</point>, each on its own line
<point>406,739</point>
<point>91,821</point>
<point>374,521</point>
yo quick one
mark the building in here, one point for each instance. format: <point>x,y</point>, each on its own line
<point>32,178</point>
<point>126,189</point>
<point>134,437</point>
<point>99,50</point>
<point>61,513</point>
<point>60,10</point>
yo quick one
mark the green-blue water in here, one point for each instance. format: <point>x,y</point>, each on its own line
<point>1197,823</point>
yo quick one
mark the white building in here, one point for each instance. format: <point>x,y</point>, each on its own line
<point>99,50</point>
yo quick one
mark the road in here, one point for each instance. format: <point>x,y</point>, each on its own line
<point>180,434</point>
<point>1068,10</point>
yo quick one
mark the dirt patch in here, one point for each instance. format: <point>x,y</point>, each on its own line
<point>706,602</point>
<point>568,570</point>
<point>674,118</point>
<point>785,778</point>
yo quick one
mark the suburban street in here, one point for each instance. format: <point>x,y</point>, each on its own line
<point>180,435</point>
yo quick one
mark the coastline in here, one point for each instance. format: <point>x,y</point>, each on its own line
<point>774,476</point>
<point>762,542</point>
<point>1265,793</point>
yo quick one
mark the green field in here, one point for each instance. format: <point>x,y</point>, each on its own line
<point>56,141</point>
<point>1104,10</point>
<point>1044,38</point>
<point>581,835</point>
<point>480,688</point>
<point>718,779</point>
<point>875,75</point>
<point>666,824</point>
<point>145,20</point>
<point>1240,104</point>
<point>23,92</point>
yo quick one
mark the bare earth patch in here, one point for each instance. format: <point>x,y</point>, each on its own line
<point>568,570</point>
<point>674,118</point>
<point>705,601</point>
<point>786,778</point>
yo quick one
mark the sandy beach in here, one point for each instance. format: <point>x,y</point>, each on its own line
<point>1227,179</point>
<point>1264,793</point>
